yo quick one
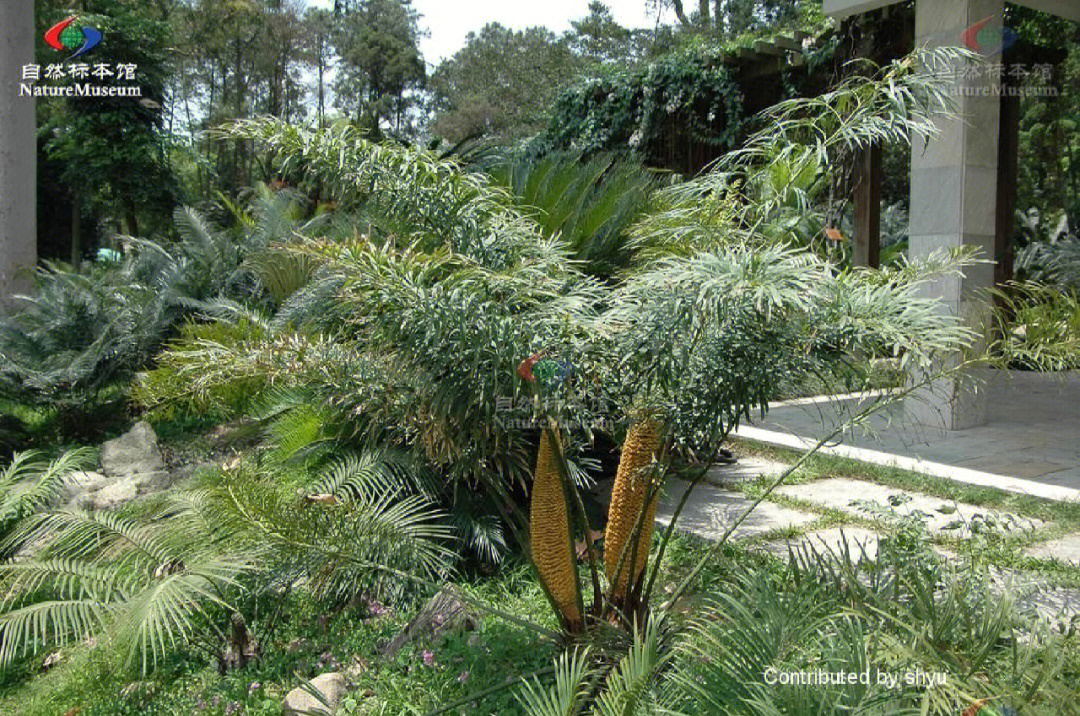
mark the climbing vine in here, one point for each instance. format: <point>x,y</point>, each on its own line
<point>683,99</point>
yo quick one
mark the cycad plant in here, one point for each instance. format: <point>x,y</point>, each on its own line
<point>76,333</point>
<point>177,571</point>
<point>590,204</point>
<point>777,640</point>
<point>146,585</point>
<point>427,315</point>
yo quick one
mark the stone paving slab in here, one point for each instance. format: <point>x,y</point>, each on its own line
<point>1052,603</point>
<point>859,542</point>
<point>1064,549</point>
<point>711,510</point>
<point>941,515</point>
<point>747,469</point>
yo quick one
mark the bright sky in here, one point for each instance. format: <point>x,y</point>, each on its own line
<point>447,22</point>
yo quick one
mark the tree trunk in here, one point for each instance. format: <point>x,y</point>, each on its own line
<point>322,90</point>
<point>76,232</point>
<point>18,152</point>
<point>703,13</point>
<point>680,12</point>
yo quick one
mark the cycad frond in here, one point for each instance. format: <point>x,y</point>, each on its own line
<point>567,695</point>
<point>631,687</point>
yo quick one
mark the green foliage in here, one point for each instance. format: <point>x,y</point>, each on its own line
<point>374,538</point>
<point>768,188</point>
<point>1038,326</point>
<point>690,93</point>
<point>79,332</point>
<point>424,200</point>
<point>380,62</point>
<point>112,150</point>
<point>146,583</point>
<point>590,204</point>
<point>1051,252</point>
<point>167,573</point>
<point>500,83</point>
<point>825,612</point>
<point>29,484</point>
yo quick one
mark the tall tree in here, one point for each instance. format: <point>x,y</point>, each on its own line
<point>111,149</point>
<point>501,83</point>
<point>599,38</point>
<point>378,41</point>
<point>731,18</point>
<point>320,25</point>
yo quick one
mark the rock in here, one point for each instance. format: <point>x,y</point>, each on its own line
<point>356,669</point>
<point>85,481</point>
<point>446,611</point>
<point>114,494</point>
<point>131,465</point>
<point>134,452</point>
<point>330,686</point>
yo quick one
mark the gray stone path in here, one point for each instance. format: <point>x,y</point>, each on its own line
<point>1064,549</point>
<point>1030,436</point>
<point>711,510</point>
<point>747,469</point>
<point>942,516</point>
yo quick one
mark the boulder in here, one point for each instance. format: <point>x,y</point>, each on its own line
<point>330,686</point>
<point>114,494</point>
<point>133,453</point>
<point>131,465</point>
<point>446,612</point>
<point>85,481</point>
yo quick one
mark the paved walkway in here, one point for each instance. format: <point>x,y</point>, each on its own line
<point>1030,445</point>
<point>807,521</point>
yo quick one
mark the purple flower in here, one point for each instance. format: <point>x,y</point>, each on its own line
<point>463,676</point>
<point>429,658</point>
<point>375,609</point>
<point>233,707</point>
<point>253,687</point>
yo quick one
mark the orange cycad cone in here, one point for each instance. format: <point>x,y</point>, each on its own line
<point>627,498</point>
<point>549,534</point>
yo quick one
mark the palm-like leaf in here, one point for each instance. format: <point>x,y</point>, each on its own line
<point>567,696</point>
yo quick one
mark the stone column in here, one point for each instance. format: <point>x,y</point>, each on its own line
<point>953,193</point>
<point>18,150</point>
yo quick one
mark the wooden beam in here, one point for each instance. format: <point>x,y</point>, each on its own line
<point>767,48</point>
<point>866,241</point>
<point>787,43</point>
<point>1007,174</point>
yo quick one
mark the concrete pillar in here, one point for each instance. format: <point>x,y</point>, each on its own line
<point>953,192</point>
<point>18,150</point>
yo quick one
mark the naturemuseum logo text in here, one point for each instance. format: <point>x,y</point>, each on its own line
<point>70,78</point>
